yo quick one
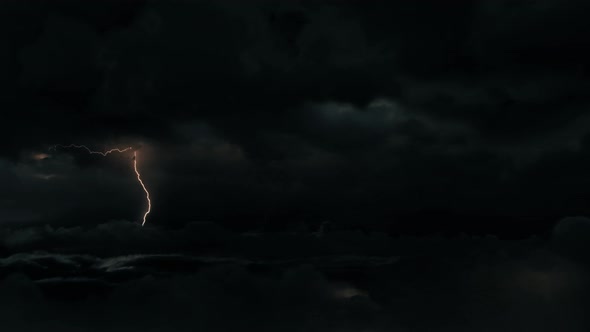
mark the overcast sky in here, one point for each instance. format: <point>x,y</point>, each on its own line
<point>430,116</point>
<point>333,166</point>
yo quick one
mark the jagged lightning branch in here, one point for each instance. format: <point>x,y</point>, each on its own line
<point>147,193</point>
<point>106,153</point>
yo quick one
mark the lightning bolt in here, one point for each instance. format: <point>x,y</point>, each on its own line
<point>118,150</point>
<point>104,154</point>
<point>147,193</point>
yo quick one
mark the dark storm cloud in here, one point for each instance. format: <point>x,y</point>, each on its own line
<point>570,236</point>
<point>242,67</point>
<point>527,64</point>
<point>337,110</point>
<point>222,298</point>
<point>51,188</point>
<point>423,284</point>
<point>289,148</point>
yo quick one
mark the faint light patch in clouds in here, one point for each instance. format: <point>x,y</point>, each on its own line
<point>546,283</point>
<point>116,264</point>
<point>40,258</point>
<point>40,156</point>
<point>40,164</point>
<point>550,283</point>
<point>43,167</point>
<point>541,276</point>
<point>346,292</point>
<point>47,183</point>
<point>45,177</point>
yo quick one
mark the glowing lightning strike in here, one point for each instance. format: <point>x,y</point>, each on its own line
<point>147,193</point>
<point>106,153</point>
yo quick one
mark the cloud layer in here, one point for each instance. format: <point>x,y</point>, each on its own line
<point>300,111</point>
<point>291,281</point>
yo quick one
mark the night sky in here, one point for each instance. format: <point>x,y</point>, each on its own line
<point>312,165</point>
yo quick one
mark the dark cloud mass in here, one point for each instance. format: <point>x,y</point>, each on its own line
<point>333,281</point>
<point>296,110</point>
<point>313,165</point>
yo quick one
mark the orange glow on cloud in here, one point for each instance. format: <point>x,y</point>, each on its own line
<point>40,156</point>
